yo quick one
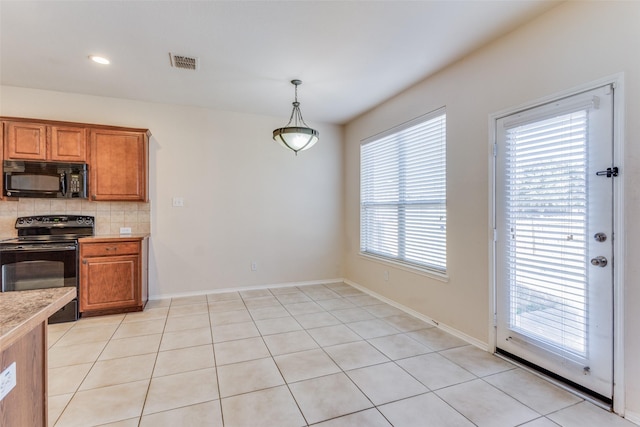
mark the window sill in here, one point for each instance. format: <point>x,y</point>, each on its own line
<point>442,277</point>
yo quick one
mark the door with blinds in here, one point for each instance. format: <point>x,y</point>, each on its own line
<point>554,234</point>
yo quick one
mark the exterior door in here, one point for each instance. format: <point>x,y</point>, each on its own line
<point>554,235</point>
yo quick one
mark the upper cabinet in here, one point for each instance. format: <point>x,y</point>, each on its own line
<point>40,141</point>
<point>68,144</point>
<point>117,157</point>
<point>118,165</point>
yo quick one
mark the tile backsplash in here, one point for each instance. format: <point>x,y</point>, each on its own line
<point>110,216</point>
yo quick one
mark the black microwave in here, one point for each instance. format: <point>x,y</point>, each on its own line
<point>45,179</point>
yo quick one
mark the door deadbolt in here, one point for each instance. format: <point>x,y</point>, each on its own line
<point>600,237</point>
<point>599,261</point>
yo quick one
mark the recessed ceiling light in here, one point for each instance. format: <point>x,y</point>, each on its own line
<point>99,59</point>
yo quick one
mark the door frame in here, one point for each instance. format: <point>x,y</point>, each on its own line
<point>618,217</point>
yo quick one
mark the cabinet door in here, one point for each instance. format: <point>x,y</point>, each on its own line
<point>109,282</point>
<point>25,141</point>
<point>68,144</point>
<point>118,165</point>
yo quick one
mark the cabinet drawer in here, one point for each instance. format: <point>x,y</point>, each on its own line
<point>109,249</point>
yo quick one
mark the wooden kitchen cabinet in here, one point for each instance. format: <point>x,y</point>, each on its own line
<point>41,141</point>
<point>118,165</point>
<point>113,275</point>
<point>118,157</point>
<point>26,141</point>
<point>68,144</point>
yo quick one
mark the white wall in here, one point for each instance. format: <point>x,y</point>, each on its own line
<point>261,203</point>
<point>246,198</point>
<point>573,44</point>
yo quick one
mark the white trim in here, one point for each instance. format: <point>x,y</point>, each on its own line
<point>618,248</point>
<point>633,417</point>
<point>560,384</point>
<point>615,79</point>
<point>243,288</point>
<point>492,234</point>
<point>456,333</point>
<point>467,338</point>
<point>619,225</point>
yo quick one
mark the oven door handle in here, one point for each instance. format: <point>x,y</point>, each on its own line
<point>28,192</point>
<point>38,249</point>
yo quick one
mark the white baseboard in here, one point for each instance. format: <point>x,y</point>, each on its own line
<point>633,417</point>
<point>242,288</point>
<point>444,327</point>
<point>456,333</point>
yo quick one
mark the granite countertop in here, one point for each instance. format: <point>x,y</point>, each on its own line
<point>21,311</point>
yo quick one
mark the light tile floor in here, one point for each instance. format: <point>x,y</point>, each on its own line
<point>323,355</point>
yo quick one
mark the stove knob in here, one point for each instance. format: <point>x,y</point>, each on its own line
<point>29,220</point>
<point>21,221</point>
<point>80,220</point>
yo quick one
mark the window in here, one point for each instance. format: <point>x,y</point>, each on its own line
<point>403,212</point>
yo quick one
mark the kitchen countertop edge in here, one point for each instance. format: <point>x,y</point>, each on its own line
<point>24,310</point>
<point>113,237</point>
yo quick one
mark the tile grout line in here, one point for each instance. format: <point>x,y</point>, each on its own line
<point>274,361</point>
<point>211,330</point>
<point>215,362</point>
<point>146,395</point>
<point>395,361</point>
<point>87,374</point>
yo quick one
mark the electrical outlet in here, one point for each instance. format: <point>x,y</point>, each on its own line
<point>178,202</point>
<point>254,266</point>
<point>125,230</point>
<point>7,380</point>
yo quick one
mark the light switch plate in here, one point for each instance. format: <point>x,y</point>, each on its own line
<point>7,380</point>
<point>178,202</point>
<point>125,230</point>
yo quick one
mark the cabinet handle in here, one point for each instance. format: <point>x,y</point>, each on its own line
<point>115,248</point>
<point>84,261</point>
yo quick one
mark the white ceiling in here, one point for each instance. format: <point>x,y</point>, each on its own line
<point>350,55</point>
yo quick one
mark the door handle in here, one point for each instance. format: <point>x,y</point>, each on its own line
<point>599,261</point>
<point>63,184</point>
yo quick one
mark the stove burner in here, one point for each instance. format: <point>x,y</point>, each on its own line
<point>64,221</point>
<point>54,227</point>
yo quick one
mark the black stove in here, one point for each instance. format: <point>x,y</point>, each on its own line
<point>45,255</point>
<point>53,228</point>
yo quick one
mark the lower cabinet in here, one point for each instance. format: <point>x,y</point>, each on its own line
<point>113,275</point>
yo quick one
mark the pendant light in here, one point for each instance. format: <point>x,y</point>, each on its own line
<point>296,135</point>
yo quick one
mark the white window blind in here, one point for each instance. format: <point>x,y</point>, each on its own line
<point>546,224</point>
<point>403,213</point>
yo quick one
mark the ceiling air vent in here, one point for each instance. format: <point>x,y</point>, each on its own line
<point>181,61</point>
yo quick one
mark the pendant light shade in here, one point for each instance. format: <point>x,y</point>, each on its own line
<point>296,135</point>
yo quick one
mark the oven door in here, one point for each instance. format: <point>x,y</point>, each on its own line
<point>26,266</point>
<point>38,266</point>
